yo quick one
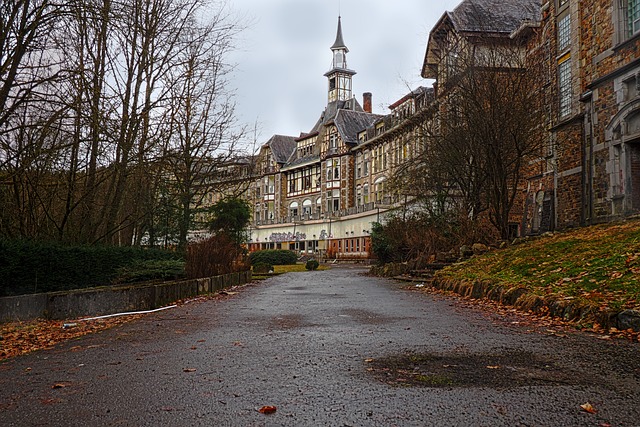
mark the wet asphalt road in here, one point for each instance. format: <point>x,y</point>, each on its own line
<point>304,343</point>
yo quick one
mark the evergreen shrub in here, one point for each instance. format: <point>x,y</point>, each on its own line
<point>262,268</point>
<point>273,257</point>
<point>312,264</point>
<point>32,267</point>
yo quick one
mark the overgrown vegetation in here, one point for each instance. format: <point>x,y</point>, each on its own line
<point>223,252</point>
<point>214,256</point>
<point>32,267</point>
<point>273,257</point>
<point>598,265</point>
<point>420,235</point>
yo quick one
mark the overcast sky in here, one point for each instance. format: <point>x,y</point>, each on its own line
<point>284,54</point>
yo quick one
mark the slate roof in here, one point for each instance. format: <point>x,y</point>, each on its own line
<point>416,93</point>
<point>498,16</point>
<point>332,109</point>
<point>501,17</point>
<point>282,146</point>
<point>350,123</point>
<point>339,43</point>
<point>295,161</point>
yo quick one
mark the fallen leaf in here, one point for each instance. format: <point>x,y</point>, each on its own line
<point>267,410</point>
<point>589,408</point>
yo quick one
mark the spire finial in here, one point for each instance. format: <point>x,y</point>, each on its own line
<point>339,43</point>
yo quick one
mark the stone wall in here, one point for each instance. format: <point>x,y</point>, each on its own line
<point>115,299</point>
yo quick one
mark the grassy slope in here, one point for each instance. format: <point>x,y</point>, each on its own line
<point>598,265</point>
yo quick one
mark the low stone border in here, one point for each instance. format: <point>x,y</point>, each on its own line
<point>518,297</point>
<point>113,299</point>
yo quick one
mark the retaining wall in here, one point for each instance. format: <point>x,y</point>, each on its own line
<point>113,299</point>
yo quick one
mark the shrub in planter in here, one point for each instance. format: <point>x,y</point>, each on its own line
<point>312,264</point>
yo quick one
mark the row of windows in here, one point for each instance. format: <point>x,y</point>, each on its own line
<point>630,14</point>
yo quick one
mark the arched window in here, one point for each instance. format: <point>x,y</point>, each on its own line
<point>306,207</point>
<point>378,188</point>
<point>293,209</point>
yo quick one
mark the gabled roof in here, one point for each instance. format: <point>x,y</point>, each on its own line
<point>473,17</point>
<point>281,146</point>
<point>332,109</point>
<point>493,16</point>
<point>350,123</point>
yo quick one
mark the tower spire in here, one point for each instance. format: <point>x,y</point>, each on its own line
<point>339,43</point>
<point>340,75</point>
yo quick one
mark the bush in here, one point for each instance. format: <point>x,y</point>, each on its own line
<point>312,264</point>
<point>142,271</point>
<point>273,257</point>
<point>214,256</point>
<point>262,268</point>
<point>32,267</point>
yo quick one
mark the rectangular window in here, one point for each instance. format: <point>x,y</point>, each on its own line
<point>564,32</point>
<point>365,164</point>
<point>564,88</point>
<point>634,16</point>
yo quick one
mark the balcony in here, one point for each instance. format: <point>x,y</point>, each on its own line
<point>385,203</point>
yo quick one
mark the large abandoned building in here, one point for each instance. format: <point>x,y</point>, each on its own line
<point>321,191</point>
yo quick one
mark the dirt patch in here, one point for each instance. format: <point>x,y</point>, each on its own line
<point>496,370</point>
<point>367,317</point>
<point>288,321</point>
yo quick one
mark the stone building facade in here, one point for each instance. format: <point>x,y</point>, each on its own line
<point>593,62</point>
<point>320,191</point>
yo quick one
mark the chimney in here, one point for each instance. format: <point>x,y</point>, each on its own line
<point>366,98</point>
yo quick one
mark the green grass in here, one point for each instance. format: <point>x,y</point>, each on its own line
<point>291,268</point>
<point>599,265</point>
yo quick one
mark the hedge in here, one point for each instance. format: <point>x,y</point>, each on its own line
<point>32,267</point>
<point>273,257</point>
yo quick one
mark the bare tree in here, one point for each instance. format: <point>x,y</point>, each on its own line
<point>483,130</point>
<point>203,136</point>
<point>87,90</point>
